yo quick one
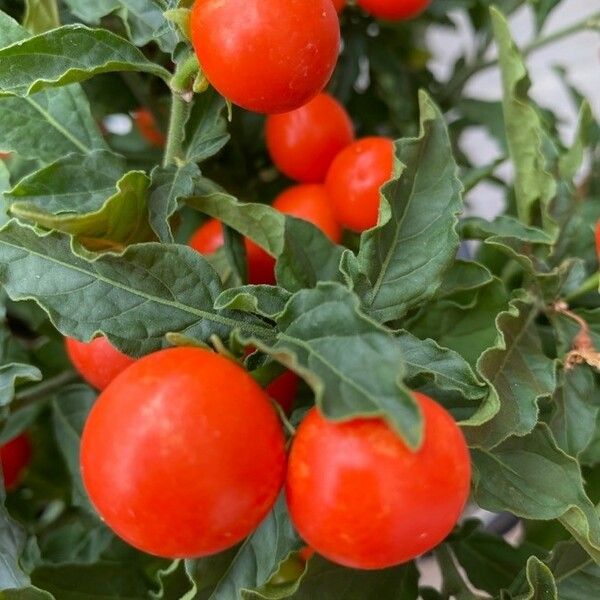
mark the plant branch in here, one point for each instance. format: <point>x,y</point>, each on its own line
<point>45,388</point>
<point>180,110</point>
<point>591,22</point>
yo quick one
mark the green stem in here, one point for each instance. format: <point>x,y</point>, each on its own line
<point>46,387</point>
<point>591,284</point>
<point>179,114</point>
<point>591,22</point>
<point>184,76</point>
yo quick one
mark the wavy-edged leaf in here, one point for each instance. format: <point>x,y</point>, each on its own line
<point>532,478</point>
<point>120,221</point>
<point>354,365</point>
<point>259,556</point>
<point>401,262</point>
<point>12,545</point>
<point>265,300</point>
<point>143,19</point>
<point>11,375</point>
<point>66,55</point>
<point>135,298</point>
<point>519,374</point>
<point>534,186</point>
<point>575,573</point>
<point>69,412</point>
<point>174,582</point>
<point>76,183</point>
<point>570,162</point>
<point>576,409</point>
<point>50,124</point>
<point>308,256</point>
<point>540,582</point>
<point>41,15</point>
<point>206,129</point>
<point>260,222</point>
<point>510,236</point>
<point>327,581</point>
<point>169,184</point>
<point>448,369</point>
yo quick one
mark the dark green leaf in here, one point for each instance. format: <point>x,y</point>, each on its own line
<point>76,184</point>
<point>137,297</point>
<point>354,366</point>
<point>67,55</point>
<point>534,186</point>
<point>401,262</point>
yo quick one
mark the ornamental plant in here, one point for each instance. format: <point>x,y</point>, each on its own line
<point>256,347</point>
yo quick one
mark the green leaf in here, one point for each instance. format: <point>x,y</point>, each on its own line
<point>464,276</point>
<point>28,593</point>
<point>169,184</point>
<point>570,162</point>
<point>467,327</point>
<point>76,183</point>
<point>491,563</point>
<point>308,256</point>
<point>447,368</point>
<point>511,237</point>
<point>327,581</point>
<point>402,261</point>
<point>540,581</point>
<point>40,15</point>
<point>519,375</point>
<point>260,222</point>
<point>532,478</point>
<point>11,547</point>
<point>575,572</point>
<point>354,366</point>
<point>573,421</point>
<point>259,557</point>
<point>49,124</point>
<point>143,19</point>
<point>11,375</point>
<point>534,186</point>
<point>121,220</point>
<point>104,580</point>
<point>67,55</point>
<point>69,413</point>
<point>264,300</point>
<point>174,583</point>
<point>137,297</point>
<point>206,129</point>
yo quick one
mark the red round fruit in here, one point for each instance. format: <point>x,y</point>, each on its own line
<point>304,142</point>
<point>361,498</point>
<point>355,178</point>
<point>311,203</point>
<point>394,10</point>
<point>268,56</point>
<point>146,124</point>
<point>183,454</point>
<point>339,5</point>
<point>208,238</point>
<point>283,390</point>
<point>98,361</point>
<point>15,455</point>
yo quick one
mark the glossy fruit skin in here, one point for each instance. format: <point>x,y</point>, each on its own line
<point>355,178</point>
<point>15,455</point>
<point>394,10</point>
<point>283,390</point>
<point>339,5</point>
<point>98,361</point>
<point>209,237</point>
<point>304,142</point>
<point>268,56</point>
<point>146,124</point>
<point>183,454</point>
<point>361,498</point>
<point>311,203</point>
